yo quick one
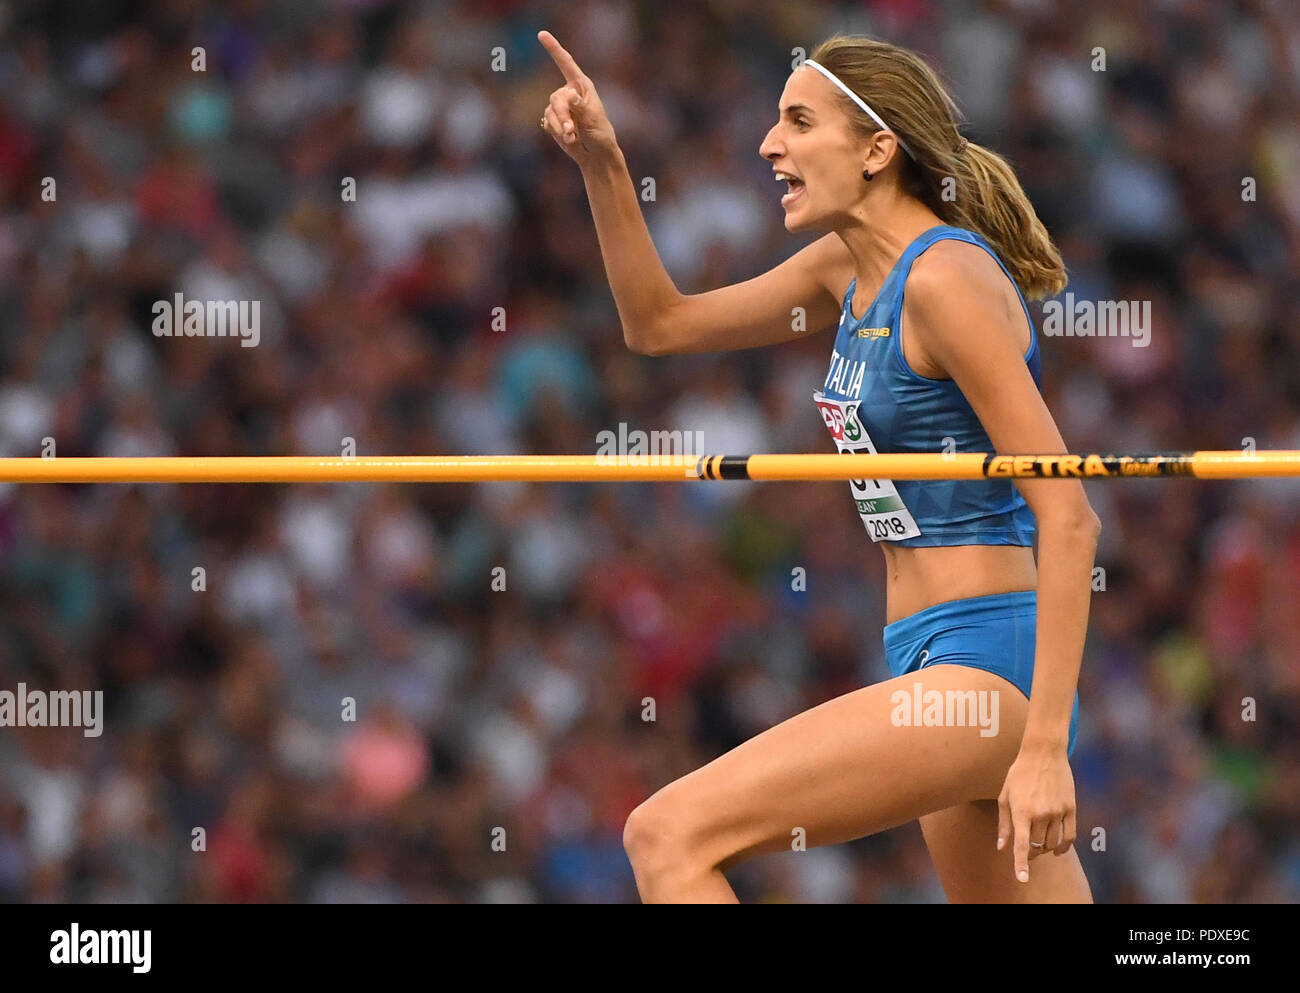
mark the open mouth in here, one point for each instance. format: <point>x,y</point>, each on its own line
<point>796,188</point>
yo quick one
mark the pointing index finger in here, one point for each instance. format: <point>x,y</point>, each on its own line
<point>1020,850</point>
<point>572,74</point>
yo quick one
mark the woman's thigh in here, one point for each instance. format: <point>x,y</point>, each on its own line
<point>863,762</point>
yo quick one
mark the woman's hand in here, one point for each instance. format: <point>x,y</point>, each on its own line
<point>575,117</point>
<point>1036,807</point>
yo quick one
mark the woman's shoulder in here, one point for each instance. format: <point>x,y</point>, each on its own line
<point>833,265</point>
<point>958,277</point>
<point>952,258</point>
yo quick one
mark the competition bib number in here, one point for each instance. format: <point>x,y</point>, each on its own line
<point>883,513</point>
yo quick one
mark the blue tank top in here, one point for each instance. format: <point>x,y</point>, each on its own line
<point>902,411</point>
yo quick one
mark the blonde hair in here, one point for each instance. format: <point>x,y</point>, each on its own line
<point>899,86</point>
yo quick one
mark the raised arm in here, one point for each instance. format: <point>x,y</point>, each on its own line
<point>658,319</point>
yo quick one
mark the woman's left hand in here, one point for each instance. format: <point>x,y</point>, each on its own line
<point>1036,807</point>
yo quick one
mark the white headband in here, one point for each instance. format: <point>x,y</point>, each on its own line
<point>861,103</point>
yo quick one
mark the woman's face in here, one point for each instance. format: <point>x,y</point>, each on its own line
<point>812,141</point>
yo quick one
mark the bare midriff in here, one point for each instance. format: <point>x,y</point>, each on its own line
<point>917,578</point>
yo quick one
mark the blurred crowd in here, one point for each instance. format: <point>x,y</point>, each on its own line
<point>368,692</point>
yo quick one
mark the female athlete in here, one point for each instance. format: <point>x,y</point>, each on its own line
<point>867,140</point>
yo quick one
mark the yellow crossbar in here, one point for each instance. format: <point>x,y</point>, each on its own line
<point>607,468</point>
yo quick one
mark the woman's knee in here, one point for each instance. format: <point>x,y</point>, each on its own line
<point>666,832</point>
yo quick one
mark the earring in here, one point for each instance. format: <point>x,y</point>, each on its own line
<point>866,174</point>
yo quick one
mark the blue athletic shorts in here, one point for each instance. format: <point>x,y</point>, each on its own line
<point>994,633</point>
